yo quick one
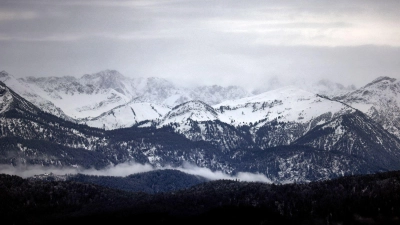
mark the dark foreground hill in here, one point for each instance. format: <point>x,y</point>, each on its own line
<point>149,182</point>
<point>368,199</point>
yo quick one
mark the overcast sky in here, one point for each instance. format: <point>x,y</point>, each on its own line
<point>243,42</point>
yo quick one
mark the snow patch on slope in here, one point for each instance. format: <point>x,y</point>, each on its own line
<point>380,100</point>
<point>288,104</point>
<point>127,115</point>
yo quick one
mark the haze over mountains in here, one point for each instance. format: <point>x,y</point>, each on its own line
<point>111,99</point>
<point>287,134</point>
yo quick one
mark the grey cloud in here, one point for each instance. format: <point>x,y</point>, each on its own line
<point>217,41</point>
<point>6,15</point>
<point>176,19</point>
<point>187,64</point>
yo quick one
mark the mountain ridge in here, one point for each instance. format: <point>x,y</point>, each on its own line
<point>277,133</point>
<point>380,100</point>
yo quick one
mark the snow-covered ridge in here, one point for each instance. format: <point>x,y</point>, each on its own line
<point>288,113</point>
<point>380,100</point>
<point>127,115</point>
<point>32,95</point>
<point>275,118</point>
<point>193,110</point>
<point>288,104</point>
<point>9,100</point>
<point>88,96</point>
<point>92,95</point>
<point>108,99</point>
<point>381,80</point>
<point>355,134</point>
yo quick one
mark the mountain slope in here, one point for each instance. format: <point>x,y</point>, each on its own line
<point>97,93</point>
<point>356,134</point>
<point>199,134</point>
<point>198,121</point>
<point>266,120</point>
<point>127,115</point>
<point>101,92</point>
<point>193,110</point>
<point>27,92</point>
<point>380,100</point>
<point>286,104</point>
<point>281,116</point>
<point>10,101</point>
<point>30,136</point>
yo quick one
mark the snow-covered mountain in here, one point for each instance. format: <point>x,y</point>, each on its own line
<point>88,96</point>
<point>93,98</point>
<point>32,95</point>
<point>312,137</point>
<point>107,98</point>
<point>266,120</point>
<point>357,135</point>
<point>10,101</point>
<point>30,136</point>
<point>281,116</point>
<point>198,121</point>
<point>192,110</point>
<point>288,104</point>
<point>127,115</point>
<point>380,100</point>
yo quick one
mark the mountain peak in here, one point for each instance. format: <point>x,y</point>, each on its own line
<point>107,79</point>
<point>3,73</point>
<point>103,74</point>
<point>4,76</point>
<point>381,79</point>
<point>379,100</point>
<point>195,105</point>
<point>195,110</point>
<point>110,73</point>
